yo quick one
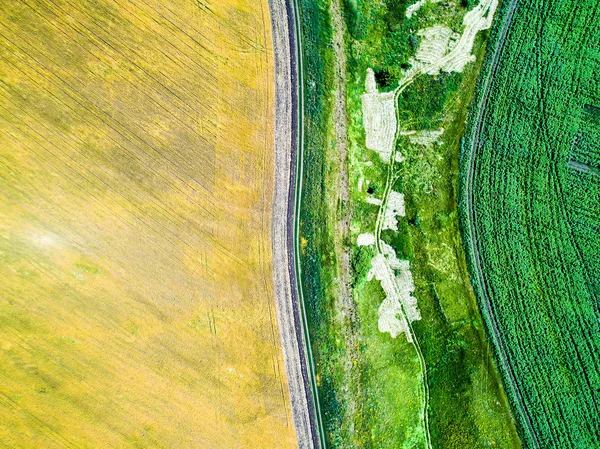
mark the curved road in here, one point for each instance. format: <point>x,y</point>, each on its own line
<point>471,231</point>
<point>288,188</point>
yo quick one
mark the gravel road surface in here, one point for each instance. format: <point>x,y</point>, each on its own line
<point>289,309</point>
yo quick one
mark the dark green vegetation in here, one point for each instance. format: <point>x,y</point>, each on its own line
<point>369,382</point>
<point>537,217</point>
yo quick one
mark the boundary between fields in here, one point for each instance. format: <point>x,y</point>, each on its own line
<point>287,274</point>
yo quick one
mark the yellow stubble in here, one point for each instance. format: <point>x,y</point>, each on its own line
<point>136,152</point>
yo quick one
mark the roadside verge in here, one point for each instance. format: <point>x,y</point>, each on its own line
<point>290,309</point>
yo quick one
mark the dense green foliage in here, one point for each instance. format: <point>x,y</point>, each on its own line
<point>318,261</point>
<point>375,403</point>
<point>537,216</point>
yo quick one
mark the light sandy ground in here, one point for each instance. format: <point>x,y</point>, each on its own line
<point>397,283</point>
<point>476,20</point>
<point>434,43</point>
<point>443,50</point>
<point>426,137</point>
<point>412,9</point>
<point>365,239</point>
<point>440,50</point>
<point>374,201</point>
<point>395,207</point>
<point>379,118</point>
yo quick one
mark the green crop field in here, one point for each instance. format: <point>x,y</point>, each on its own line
<point>534,231</point>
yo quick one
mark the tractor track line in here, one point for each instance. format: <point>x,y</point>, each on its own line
<point>471,231</point>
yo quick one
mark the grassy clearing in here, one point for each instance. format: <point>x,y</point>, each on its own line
<point>135,282</point>
<point>536,214</point>
<point>376,403</point>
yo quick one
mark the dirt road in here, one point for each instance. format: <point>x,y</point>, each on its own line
<point>289,304</point>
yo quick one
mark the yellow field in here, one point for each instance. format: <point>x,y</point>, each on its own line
<point>136,305</point>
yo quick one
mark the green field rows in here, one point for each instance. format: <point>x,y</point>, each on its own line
<point>536,202</point>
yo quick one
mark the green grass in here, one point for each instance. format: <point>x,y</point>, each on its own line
<point>318,258</point>
<point>467,405</point>
<point>537,216</point>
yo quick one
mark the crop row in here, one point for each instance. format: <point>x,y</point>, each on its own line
<point>537,220</point>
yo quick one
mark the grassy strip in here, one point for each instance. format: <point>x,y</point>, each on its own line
<point>377,404</point>
<point>317,256</point>
<point>463,385</point>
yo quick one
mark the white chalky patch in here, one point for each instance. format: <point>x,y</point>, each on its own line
<point>414,8</point>
<point>476,20</point>
<point>379,118</point>
<point>46,239</point>
<point>443,50</point>
<point>426,137</point>
<point>399,305</point>
<point>365,239</point>
<point>390,256</point>
<point>440,50</point>
<point>375,201</point>
<point>370,82</point>
<point>434,44</point>
<point>395,207</point>
<point>360,184</point>
<point>453,42</point>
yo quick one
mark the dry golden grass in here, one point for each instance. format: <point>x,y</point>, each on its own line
<point>136,305</point>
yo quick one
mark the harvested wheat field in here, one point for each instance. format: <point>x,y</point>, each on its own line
<point>136,152</point>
